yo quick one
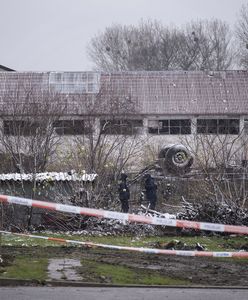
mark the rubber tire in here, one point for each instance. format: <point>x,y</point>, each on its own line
<point>178,159</point>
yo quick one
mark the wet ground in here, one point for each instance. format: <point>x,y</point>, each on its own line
<point>65,264</point>
<point>63,269</point>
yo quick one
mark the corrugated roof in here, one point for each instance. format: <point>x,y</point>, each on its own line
<point>167,92</point>
<point>48,176</point>
<point>182,92</point>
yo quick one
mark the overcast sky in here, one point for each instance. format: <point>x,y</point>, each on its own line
<point>52,35</point>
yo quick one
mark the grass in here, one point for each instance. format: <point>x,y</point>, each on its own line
<point>116,274</point>
<point>214,243</point>
<point>211,243</point>
<point>27,268</point>
<point>34,265</point>
<point>36,269</point>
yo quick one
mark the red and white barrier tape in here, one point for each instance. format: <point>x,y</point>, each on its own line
<point>124,216</point>
<point>241,254</point>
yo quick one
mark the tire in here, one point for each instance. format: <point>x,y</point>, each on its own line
<point>178,159</point>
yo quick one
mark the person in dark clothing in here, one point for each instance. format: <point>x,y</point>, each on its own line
<point>151,191</point>
<point>124,193</point>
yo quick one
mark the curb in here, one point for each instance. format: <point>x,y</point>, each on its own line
<point>61,283</point>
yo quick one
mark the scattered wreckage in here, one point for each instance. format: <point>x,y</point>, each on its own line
<point>173,160</point>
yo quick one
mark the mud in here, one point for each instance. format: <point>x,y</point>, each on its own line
<point>196,270</point>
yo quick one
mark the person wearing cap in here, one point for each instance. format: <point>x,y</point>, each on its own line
<point>124,193</point>
<point>150,191</point>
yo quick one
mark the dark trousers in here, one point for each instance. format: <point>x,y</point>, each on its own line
<point>124,206</point>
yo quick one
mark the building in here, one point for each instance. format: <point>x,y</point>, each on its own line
<point>5,69</point>
<point>163,106</point>
<point>160,107</point>
<point>165,103</point>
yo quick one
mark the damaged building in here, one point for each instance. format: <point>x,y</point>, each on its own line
<point>162,106</point>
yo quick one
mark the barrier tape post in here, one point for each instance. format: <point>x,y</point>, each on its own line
<point>1,227</point>
<point>124,216</point>
<point>191,253</point>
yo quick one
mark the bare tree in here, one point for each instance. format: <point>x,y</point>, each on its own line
<point>221,177</point>
<point>27,133</point>
<point>27,136</point>
<point>122,48</point>
<point>153,46</point>
<point>104,140</point>
<point>242,36</point>
<point>110,143</point>
<point>205,45</point>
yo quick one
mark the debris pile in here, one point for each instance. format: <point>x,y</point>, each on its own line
<point>87,225</point>
<point>214,212</point>
<point>101,227</point>
<point>178,245</point>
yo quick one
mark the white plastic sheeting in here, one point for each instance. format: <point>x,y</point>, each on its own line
<point>48,176</point>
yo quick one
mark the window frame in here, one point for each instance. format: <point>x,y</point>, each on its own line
<point>62,127</point>
<point>121,126</point>
<point>74,82</point>
<point>222,126</point>
<point>24,128</point>
<point>170,127</point>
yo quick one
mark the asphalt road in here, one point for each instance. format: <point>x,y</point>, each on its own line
<point>86,293</point>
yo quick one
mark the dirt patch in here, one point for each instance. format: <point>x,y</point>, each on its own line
<point>196,270</point>
<point>207,271</point>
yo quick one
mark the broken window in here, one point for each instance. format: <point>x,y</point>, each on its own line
<point>21,127</point>
<point>70,127</point>
<point>125,127</point>
<point>170,126</point>
<point>218,126</point>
